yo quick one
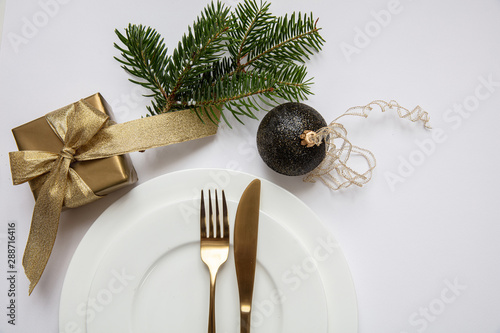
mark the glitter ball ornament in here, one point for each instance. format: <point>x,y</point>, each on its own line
<point>279,142</point>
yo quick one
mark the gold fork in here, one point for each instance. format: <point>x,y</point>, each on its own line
<point>214,246</point>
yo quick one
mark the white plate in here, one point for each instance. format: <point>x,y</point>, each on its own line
<point>168,285</point>
<point>138,268</point>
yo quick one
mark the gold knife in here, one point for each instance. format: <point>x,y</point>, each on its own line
<point>246,226</point>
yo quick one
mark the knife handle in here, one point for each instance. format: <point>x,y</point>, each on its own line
<point>245,321</point>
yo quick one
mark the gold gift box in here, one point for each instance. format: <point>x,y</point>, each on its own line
<point>103,176</point>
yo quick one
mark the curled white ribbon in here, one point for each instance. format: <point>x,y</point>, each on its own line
<point>335,171</point>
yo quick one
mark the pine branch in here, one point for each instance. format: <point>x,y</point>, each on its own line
<point>266,40</point>
<point>290,80</point>
<point>287,41</point>
<point>250,20</point>
<point>146,58</point>
<point>232,89</point>
<point>201,46</point>
<point>242,60</point>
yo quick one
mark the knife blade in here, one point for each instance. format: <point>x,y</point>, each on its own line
<point>246,227</point>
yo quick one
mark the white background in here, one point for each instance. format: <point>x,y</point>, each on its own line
<point>423,249</point>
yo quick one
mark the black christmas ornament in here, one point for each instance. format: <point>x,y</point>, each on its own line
<point>293,139</point>
<point>279,139</point>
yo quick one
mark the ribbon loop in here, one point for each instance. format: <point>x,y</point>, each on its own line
<point>27,165</point>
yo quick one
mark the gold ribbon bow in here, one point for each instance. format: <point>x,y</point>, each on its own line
<point>86,134</point>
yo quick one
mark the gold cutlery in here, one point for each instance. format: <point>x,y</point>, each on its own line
<point>246,227</point>
<point>214,246</point>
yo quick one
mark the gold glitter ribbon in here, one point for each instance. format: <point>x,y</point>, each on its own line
<point>87,134</point>
<point>335,171</point>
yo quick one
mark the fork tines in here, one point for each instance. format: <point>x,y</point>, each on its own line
<point>217,229</point>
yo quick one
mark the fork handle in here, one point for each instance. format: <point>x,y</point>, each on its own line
<point>245,321</point>
<point>211,309</point>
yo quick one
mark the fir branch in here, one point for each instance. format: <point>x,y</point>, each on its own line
<point>250,20</point>
<point>270,40</point>
<point>201,46</point>
<point>231,89</point>
<point>287,41</point>
<point>242,60</point>
<point>290,80</point>
<point>145,58</point>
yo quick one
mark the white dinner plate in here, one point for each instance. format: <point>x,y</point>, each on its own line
<point>138,268</point>
<point>167,284</point>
